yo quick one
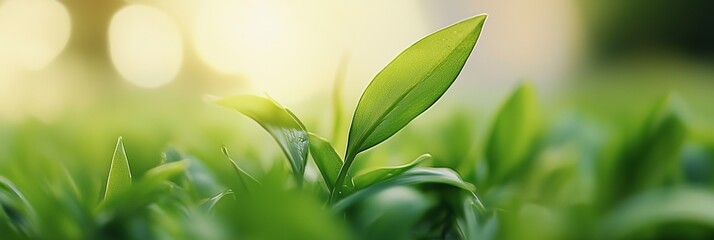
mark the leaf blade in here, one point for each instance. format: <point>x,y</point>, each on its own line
<point>281,123</point>
<point>119,178</point>
<point>411,83</point>
<point>385,173</point>
<point>327,161</point>
<point>411,177</point>
<point>514,130</point>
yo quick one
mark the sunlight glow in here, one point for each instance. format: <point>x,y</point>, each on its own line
<point>32,32</point>
<point>145,45</point>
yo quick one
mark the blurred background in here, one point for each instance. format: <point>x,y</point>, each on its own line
<point>76,74</point>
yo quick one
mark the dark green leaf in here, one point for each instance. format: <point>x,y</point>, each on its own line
<point>15,210</point>
<point>386,173</point>
<point>513,134</point>
<point>282,124</point>
<point>411,83</point>
<point>119,178</point>
<point>654,153</point>
<point>327,161</point>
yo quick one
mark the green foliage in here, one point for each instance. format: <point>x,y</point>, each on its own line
<point>411,83</point>
<point>327,161</point>
<point>382,174</point>
<point>282,124</point>
<point>408,86</point>
<point>526,176</point>
<point>17,214</point>
<point>119,174</point>
<point>513,134</point>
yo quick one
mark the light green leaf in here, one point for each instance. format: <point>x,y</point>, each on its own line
<point>280,122</point>
<point>513,134</point>
<point>412,177</point>
<point>164,172</point>
<point>382,174</point>
<point>411,83</point>
<point>119,178</point>
<point>327,161</point>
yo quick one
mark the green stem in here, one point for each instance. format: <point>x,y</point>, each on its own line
<point>338,187</point>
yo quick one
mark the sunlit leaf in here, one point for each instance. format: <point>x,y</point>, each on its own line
<point>385,173</point>
<point>327,161</point>
<point>513,134</point>
<point>282,124</point>
<point>119,178</point>
<point>414,176</point>
<point>411,83</point>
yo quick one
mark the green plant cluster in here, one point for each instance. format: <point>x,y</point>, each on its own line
<point>532,178</point>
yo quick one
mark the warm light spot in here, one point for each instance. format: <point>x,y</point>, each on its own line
<point>145,45</point>
<point>32,32</point>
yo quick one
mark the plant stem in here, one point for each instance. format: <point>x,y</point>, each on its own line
<point>338,187</point>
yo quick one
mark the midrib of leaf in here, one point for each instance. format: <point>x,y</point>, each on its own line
<point>350,155</point>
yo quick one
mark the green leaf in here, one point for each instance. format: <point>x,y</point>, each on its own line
<point>246,181</point>
<point>327,161</point>
<point>411,83</point>
<point>382,174</point>
<point>412,177</point>
<point>153,185</point>
<point>15,210</point>
<point>653,209</point>
<point>654,153</point>
<point>280,122</point>
<point>164,172</point>
<point>210,203</point>
<point>119,178</point>
<point>198,179</point>
<point>513,134</point>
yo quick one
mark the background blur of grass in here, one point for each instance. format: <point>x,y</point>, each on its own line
<point>599,68</point>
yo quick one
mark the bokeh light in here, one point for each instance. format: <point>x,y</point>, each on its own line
<point>32,32</point>
<point>145,45</point>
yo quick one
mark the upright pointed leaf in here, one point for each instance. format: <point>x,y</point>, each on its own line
<point>514,131</point>
<point>411,83</point>
<point>119,177</point>
<point>385,173</point>
<point>327,161</point>
<point>282,124</point>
